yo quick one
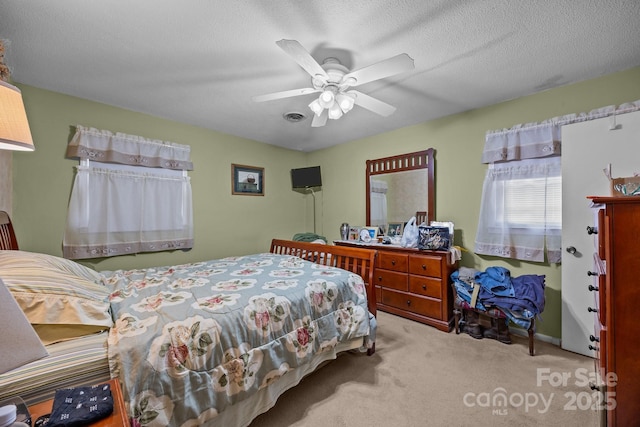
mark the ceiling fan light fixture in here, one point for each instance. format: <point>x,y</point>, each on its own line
<point>335,112</point>
<point>316,107</point>
<point>345,101</point>
<point>327,98</point>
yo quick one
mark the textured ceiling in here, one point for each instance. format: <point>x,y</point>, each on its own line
<point>200,62</point>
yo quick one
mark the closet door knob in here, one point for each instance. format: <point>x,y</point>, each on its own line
<point>592,230</point>
<point>592,273</point>
<point>572,250</point>
<point>593,288</point>
<point>593,348</point>
<point>592,310</point>
<point>593,339</point>
<point>592,386</point>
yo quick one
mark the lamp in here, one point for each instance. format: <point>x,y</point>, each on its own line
<point>14,127</point>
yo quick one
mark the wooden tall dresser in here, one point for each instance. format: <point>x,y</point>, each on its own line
<point>616,306</point>
<point>413,283</point>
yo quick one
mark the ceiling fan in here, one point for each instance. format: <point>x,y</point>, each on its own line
<point>334,82</point>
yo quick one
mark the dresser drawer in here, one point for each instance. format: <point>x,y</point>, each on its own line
<point>600,346</point>
<point>391,279</point>
<point>392,261</point>
<point>427,286</point>
<point>420,305</point>
<point>425,265</point>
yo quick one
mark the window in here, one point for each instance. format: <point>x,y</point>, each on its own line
<point>534,203</point>
<point>521,210</point>
<point>136,197</point>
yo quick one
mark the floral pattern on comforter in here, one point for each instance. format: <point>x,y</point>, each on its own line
<point>190,340</point>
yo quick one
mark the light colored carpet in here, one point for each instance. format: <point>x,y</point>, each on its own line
<point>420,376</point>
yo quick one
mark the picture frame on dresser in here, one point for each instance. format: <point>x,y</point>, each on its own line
<point>354,233</point>
<point>395,229</point>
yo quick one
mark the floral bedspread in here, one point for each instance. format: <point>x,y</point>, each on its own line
<point>191,340</point>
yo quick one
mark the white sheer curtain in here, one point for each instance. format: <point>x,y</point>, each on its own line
<point>378,202</point>
<point>119,208</point>
<point>517,224</point>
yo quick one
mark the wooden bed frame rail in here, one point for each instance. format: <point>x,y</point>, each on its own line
<point>357,260</point>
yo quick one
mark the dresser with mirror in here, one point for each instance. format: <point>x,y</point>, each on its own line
<point>409,282</point>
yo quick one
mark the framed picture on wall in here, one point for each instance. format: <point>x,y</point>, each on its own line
<point>247,180</point>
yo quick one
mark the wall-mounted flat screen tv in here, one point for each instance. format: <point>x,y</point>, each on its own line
<point>306,177</point>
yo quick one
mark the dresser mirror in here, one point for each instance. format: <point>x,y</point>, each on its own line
<point>398,187</point>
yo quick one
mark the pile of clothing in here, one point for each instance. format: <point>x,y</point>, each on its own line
<point>520,298</point>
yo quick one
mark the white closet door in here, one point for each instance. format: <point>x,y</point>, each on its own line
<point>587,149</point>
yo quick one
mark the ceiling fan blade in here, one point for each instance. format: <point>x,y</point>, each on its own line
<point>389,67</point>
<point>284,94</point>
<point>372,104</point>
<point>303,58</point>
<point>320,120</point>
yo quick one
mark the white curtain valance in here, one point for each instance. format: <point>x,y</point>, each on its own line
<point>378,186</point>
<point>536,140</point>
<point>107,147</point>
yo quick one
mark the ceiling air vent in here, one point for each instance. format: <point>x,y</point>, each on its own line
<point>294,117</point>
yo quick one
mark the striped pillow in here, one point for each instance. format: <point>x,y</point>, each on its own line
<point>56,291</point>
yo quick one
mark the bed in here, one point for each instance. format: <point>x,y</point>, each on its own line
<point>208,343</point>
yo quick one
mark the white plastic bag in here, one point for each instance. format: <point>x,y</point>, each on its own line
<point>410,235</point>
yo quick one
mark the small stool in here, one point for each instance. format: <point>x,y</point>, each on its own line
<point>493,312</point>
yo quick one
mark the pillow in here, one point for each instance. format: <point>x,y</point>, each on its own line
<point>56,294</point>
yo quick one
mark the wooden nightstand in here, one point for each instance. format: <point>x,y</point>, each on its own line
<point>118,418</point>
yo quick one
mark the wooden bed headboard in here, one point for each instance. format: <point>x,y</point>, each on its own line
<point>357,260</point>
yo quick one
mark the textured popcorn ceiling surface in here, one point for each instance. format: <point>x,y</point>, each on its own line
<point>199,62</point>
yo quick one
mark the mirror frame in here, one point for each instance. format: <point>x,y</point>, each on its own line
<point>400,163</point>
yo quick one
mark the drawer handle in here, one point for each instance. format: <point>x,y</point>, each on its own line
<point>592,386</point>
<point>592,273</point>
<point>593,288</point>
<point>592,230</point>
<point>380,279</point>
<point>592,310</point>
<point>393,262</point>
<point>408,302</point>
<point>424,287</point>
<point>593,339</point>
<point>424,267</point>
<point>593,348</point>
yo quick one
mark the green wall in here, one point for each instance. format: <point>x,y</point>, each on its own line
<point>223,224</point>
<point>228,225</point>
<point>458,141</point>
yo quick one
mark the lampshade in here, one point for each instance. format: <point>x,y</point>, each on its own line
<point>14,127</point>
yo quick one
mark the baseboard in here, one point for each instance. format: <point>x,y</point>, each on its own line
<point>541,337</point>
